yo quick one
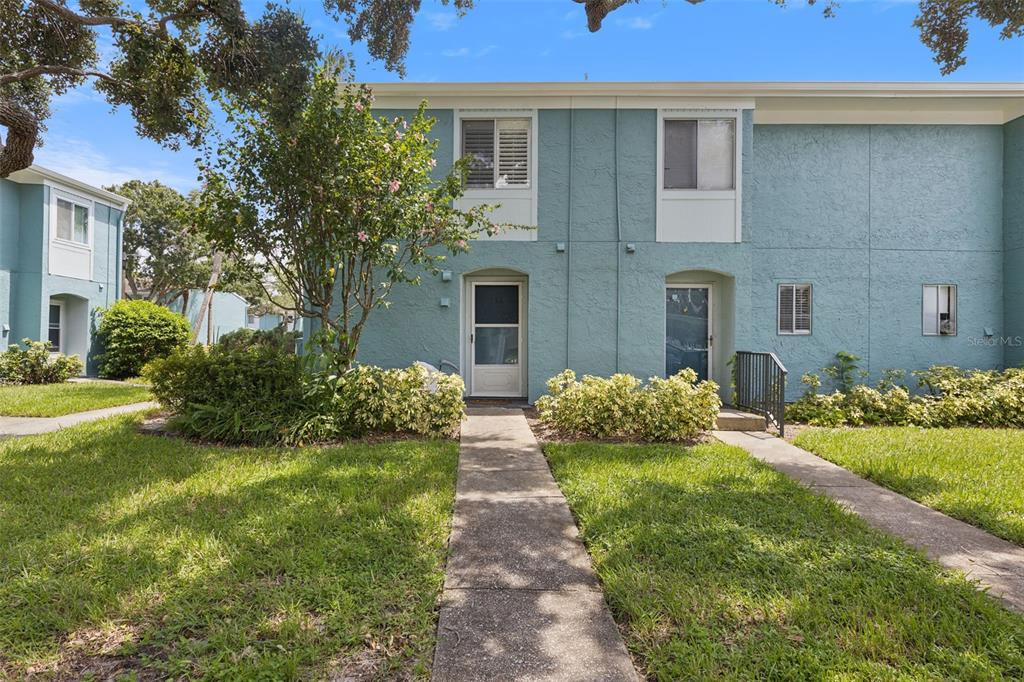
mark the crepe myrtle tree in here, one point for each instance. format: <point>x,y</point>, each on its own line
<point>339,205</point>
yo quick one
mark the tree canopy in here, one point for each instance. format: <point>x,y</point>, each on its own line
<point>338,205</point>
<point>166,57</point>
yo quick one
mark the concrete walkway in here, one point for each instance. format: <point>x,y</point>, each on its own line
<point>993,562</point>
<point>521,601</point>
<point>28,426</point>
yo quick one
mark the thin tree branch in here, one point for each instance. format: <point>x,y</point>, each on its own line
<point>50,70</point>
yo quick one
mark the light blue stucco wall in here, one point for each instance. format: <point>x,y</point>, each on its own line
<point>1013,222</point>
<point>865,213</point>
<point>230,312</point>
<point>26,291</point>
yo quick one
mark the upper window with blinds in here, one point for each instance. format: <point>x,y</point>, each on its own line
<point>498,151</point>
<point>794,308</point>
<point>700,154</point>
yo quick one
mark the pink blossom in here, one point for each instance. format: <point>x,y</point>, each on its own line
<point>430,206</point>
<point>398,134</point>
<point>394,185</point>
<point>387,147</point>
<point>433,163</point>
<point>358,106</point>
<point>362,236</point>
<point>461,243</point>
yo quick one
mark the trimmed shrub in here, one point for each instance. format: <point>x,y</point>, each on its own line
<point>34,364</point>
<point>955,398</point>
<point>132,333</point>
<point>262,395</point>
<point>673,409</point>
<point>277,338</point>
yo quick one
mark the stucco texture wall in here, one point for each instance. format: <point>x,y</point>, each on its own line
<point>230,312</point>
<point>866,214</point>
<point>1012,340</point>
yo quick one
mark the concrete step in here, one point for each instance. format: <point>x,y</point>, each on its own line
<point>735,420</point>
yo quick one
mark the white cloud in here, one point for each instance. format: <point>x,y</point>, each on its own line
<point>80,160</point>
<point>573,14</point>
<point>571,35</point>
<point>640,23</point>
<point>441,21</point>
<point>462,52</point>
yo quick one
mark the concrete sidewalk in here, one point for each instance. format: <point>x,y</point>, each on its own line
<point>993,562</point>
<point>28,426</point>
<point>521,601</point>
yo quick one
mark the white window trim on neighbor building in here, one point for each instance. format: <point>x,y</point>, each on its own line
<point>519,202</point>
<point>70,247</point>
<point>793,329</point>
<point>720,211</point>
<point>934,327</point>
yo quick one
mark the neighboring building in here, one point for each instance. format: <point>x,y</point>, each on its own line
<point>60,258</point>
<point>680,222</point>
<point>228,310</point>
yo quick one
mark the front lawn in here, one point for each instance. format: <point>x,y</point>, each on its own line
<point>975,475</point>
<point>151,557</point>
<point>717,566</point>
<point>57,400</point>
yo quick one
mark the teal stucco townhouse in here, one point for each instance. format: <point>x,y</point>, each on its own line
<point>60,259</point>
<point>679,223</point>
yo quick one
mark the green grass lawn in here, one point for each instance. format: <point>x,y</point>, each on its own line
<point>56,400</point>
<point>976,475</point>
<point>717,566</point>
<point>154,557</point>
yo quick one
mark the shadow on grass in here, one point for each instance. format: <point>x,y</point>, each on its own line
<point>718,566</point>
<point>220,562</point>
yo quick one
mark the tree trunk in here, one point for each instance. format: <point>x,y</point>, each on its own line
<point>218,257</point>
<point>22,132</point>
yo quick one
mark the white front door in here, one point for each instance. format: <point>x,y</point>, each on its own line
<point>495,339</point>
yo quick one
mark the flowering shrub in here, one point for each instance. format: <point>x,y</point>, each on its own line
<point>955,397</point>
<point>262,395</point>
<point>33,364</point>
<point>670,409</point>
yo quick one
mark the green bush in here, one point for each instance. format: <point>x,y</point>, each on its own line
<point>673,409</point>
<point>131,333</point>
<point>278,338</point>
<point>954,397</point>
<point>34,364</point>
<point>262,395</point>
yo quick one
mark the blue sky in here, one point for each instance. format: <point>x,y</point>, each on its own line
<point>547,40</point>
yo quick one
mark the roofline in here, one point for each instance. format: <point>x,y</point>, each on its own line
<point>61,179</point>
<point>710,88</point>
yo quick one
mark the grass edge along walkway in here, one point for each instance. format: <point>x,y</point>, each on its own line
<point>715,565</point>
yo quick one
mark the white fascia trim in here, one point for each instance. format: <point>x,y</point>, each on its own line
<point>39,175</point>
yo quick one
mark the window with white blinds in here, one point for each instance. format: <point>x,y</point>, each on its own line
<point>794,308</point>
<point>499,152</point>
<point>938,310</point>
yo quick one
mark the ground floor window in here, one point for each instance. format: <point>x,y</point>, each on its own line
<point>55,324</point>
<point>939,310</point>
<point>794,309</point>
<point>688,329</point>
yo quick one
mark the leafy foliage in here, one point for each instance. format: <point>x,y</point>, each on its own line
<point>277,338</point>
<point>956,398</point>
<point>131,333</point>
<point>339,204</point>
<point>261,395</point>
<point>33,364</point>
<point>673,409</point>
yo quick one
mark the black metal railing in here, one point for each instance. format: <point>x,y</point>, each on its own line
<point>761,386</point>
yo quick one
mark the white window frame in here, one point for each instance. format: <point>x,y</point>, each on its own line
<point>88,248</point>
<point>778,316</point>
<point>735,193</point>
<point>60,325</point>
<point>956,309</point>
<point>485,194</point>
